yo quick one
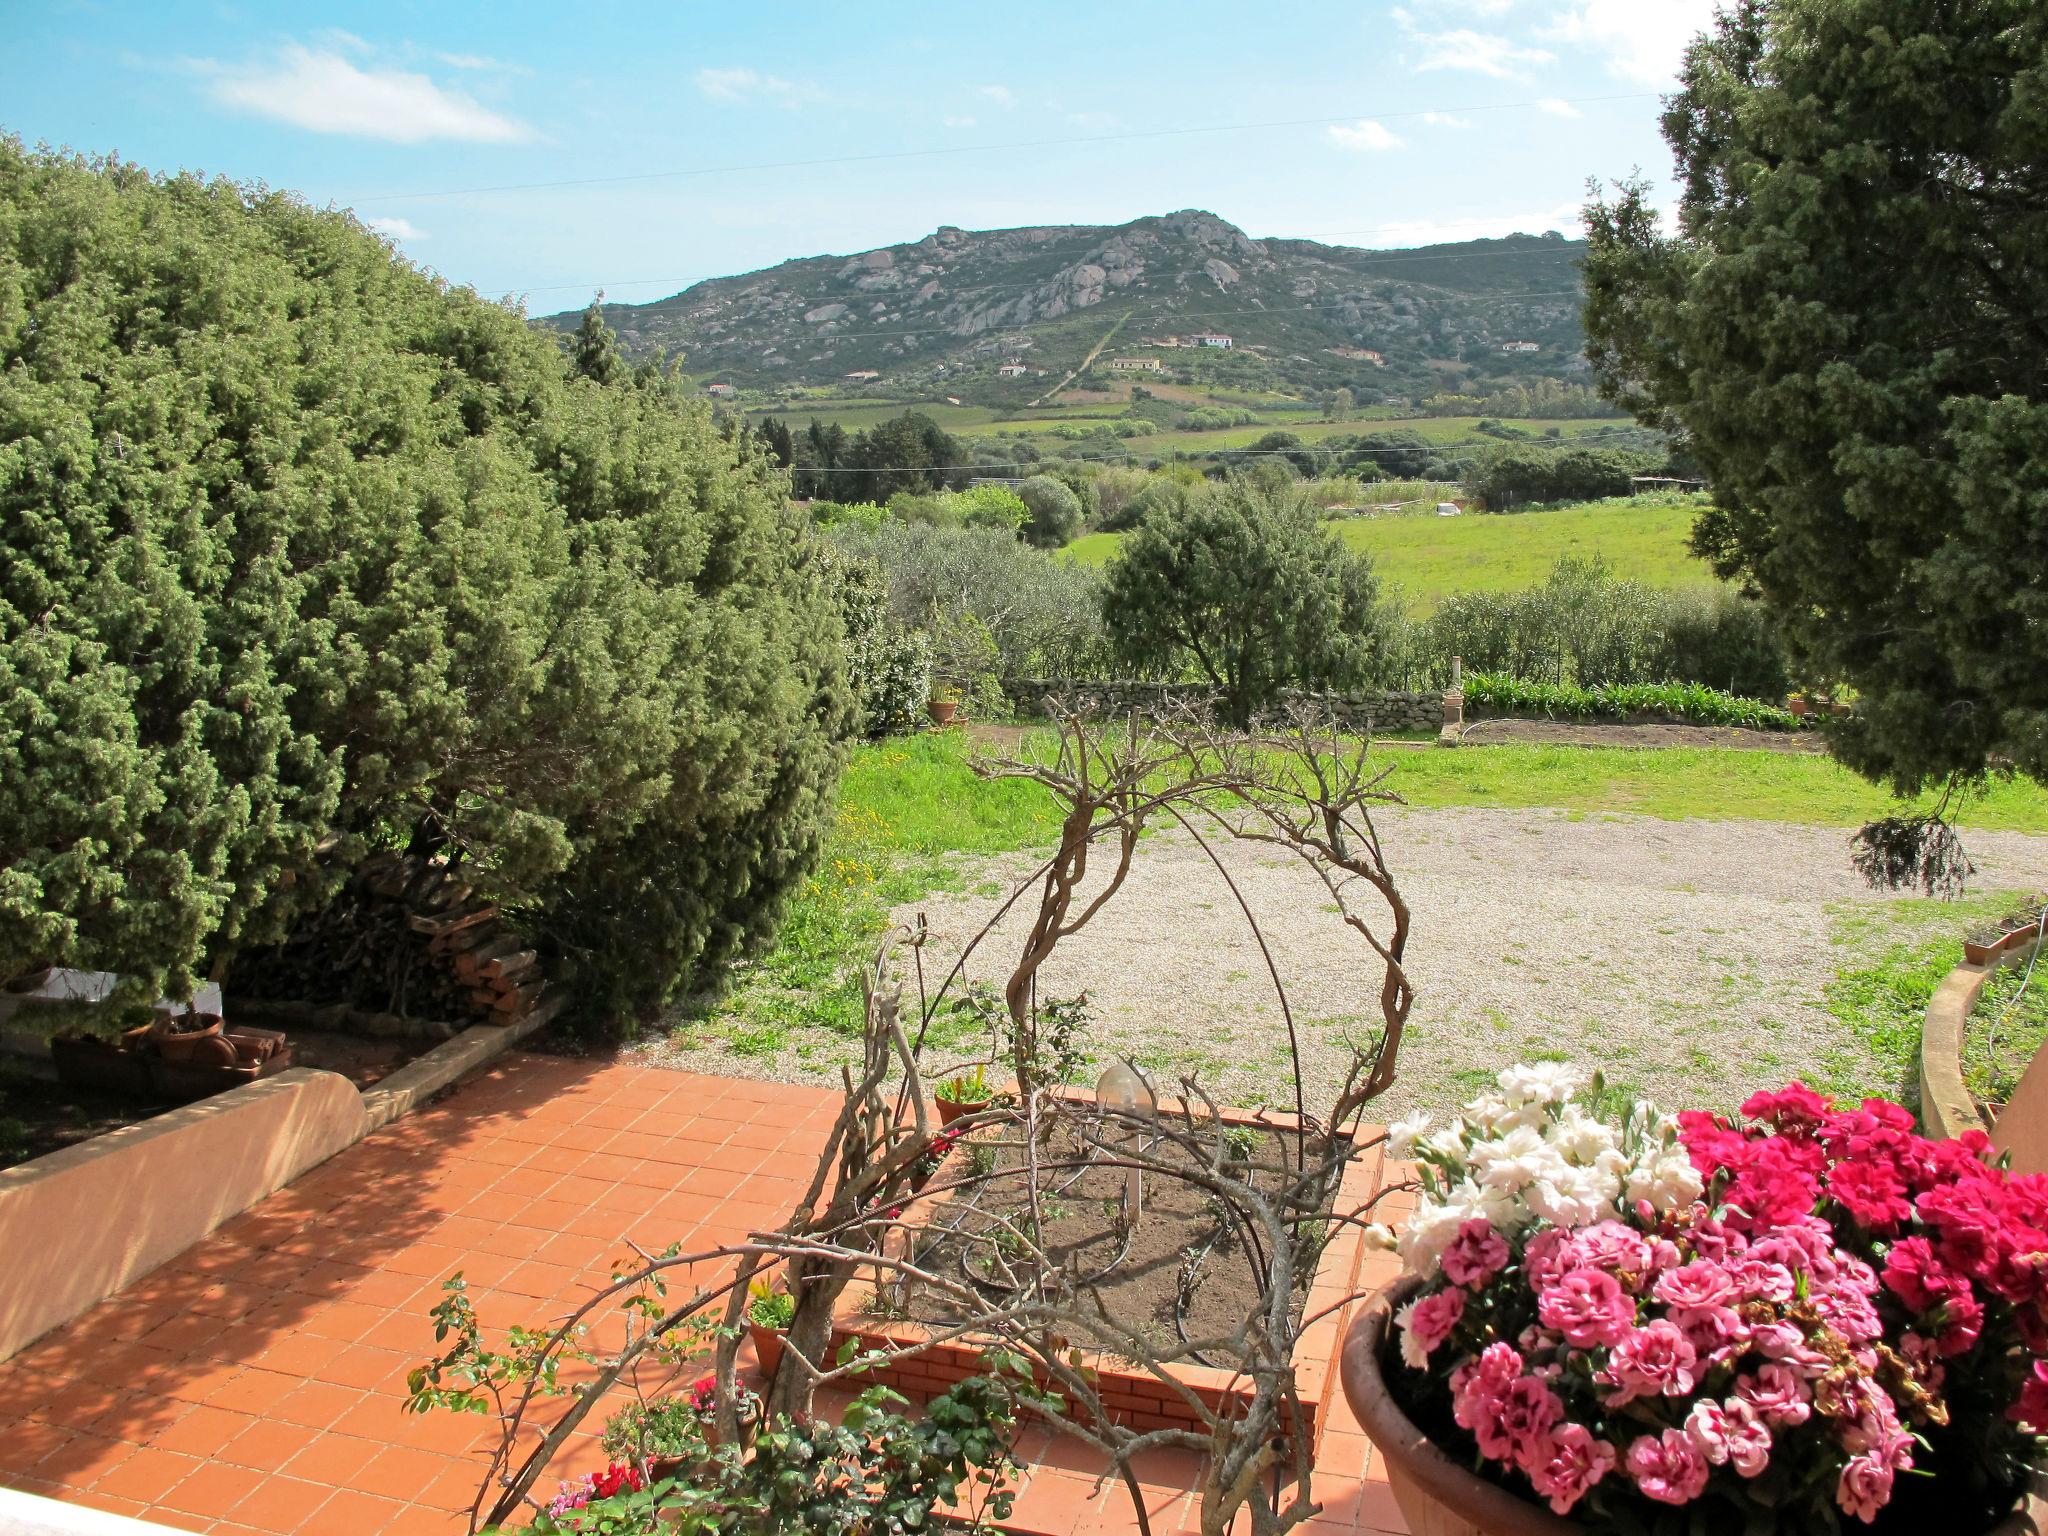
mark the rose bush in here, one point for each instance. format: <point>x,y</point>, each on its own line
<point>1803,1317</point>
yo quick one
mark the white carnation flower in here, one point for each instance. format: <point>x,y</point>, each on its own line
<point>1412,1352</point>
<point>1515,1160</point>
<point>1668,1182</point>
<point>1404,1133</point>
<point>1540,1082</point>
<point>1581,1138</point>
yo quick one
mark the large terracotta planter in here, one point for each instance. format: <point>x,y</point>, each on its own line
<point>942,710</point>
<point>949,1111</point>
<point>1440,1497</point>
<point>767,1347</point>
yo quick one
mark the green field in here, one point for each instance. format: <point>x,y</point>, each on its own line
<point>1436,429</point>
<point>1427,558</point>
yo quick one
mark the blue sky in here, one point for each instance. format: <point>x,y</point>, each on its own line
<point>479,137</point>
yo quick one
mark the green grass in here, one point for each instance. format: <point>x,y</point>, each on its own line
<point>1426,558</point>
<point>2008,1025</point>
<point>905,806</point>
<point>1682,783</point>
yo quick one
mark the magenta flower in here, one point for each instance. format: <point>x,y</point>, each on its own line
<point>1434,1317</point>
<point>1655,1360</point>
<point>1566,1464</point>
<point>1476,1255</point>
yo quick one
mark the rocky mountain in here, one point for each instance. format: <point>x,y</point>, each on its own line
<point>951,312</point>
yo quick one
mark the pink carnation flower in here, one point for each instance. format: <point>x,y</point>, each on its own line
<point>1864,1488</point>
<point>1654,1361</point>
<point>1566,1465</point>
<point>1476,1255</point>
<point>1668,1467</point>
<point>1730,1435</point>
<point>1434,1317</point>
<point>1587,1306</point>
<point>1778,1393</point>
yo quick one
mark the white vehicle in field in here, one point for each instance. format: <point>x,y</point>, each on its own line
<point>1449,509</point>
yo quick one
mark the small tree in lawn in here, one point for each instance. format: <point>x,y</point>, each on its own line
<point>1874,427</point>
<point>1054,511</point>
<point>1243,585</point>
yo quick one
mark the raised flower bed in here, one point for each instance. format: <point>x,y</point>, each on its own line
<point>921,1361</point>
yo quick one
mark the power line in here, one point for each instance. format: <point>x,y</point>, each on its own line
<point>935,151</point>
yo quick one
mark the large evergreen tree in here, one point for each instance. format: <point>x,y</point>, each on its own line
<point>302,553</point>
<point>1850,326</point>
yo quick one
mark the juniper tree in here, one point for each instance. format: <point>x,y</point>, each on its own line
<point>1849,326</point>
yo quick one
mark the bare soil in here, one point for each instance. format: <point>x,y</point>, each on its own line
<point>1180,1241</point>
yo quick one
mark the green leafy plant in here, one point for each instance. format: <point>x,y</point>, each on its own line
<point>768,1306</point>
<point>966,1087</point>
<point>1693,702</point>
<point>1239,1142</point>
<point>669,1426</point>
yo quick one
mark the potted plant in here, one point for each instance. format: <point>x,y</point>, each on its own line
<point>192,1036</point>
<point>769,1314</point>
<point>675,1436</point>
<point>943,705</point>
<point>966,1093</point>
<point>1806,1319</point>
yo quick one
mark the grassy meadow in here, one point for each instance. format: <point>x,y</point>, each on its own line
<point>1427,558</point>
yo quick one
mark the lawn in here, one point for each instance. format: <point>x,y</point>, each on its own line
<point>1427,558</point>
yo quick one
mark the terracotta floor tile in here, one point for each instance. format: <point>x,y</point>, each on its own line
<point>315,1404</point>
<point>300,1355</point>
<point>334,1460</point>
<point>254,1390</point>
<point>402,1473</point>
<point>280,1503</point>
<point>211,1491</point>
<point>148,1475</point>
<point>350,1513</point>
<point>266,1444</point>
<point>373,1370</point>
<point>202,1431</point>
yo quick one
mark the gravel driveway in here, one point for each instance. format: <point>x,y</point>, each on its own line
<point>1687,959</point>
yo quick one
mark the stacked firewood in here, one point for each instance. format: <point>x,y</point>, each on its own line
<point>405,937</point>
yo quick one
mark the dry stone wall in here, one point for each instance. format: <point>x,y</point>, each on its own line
<point>1380,709</point>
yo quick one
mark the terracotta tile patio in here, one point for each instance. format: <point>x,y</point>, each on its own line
<point>252,1385</point>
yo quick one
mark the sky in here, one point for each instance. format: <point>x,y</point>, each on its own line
<point>547,151</point>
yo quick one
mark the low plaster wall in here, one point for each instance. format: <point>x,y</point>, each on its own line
<point>28,1514</point>
<point>80,1224</point>
<point>1946,1107</point>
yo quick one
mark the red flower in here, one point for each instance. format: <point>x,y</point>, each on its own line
<point>1871,1193</point>
<point>619,1475</point>
<point>1794,1110</point>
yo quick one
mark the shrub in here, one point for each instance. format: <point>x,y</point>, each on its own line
<point>1040,610</point>
<point>1053,511</point>
<point>888,663</point>
<point>297,543</point>
<point>1517,476</point>
<point>1693,702</point>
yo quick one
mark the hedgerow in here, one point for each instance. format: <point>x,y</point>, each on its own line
<point>1692,702</point>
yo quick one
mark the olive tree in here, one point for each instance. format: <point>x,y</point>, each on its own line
<point>1242,584</point>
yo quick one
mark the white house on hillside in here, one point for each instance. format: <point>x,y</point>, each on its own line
<point>1206,339</point>
<point>1520,346</point>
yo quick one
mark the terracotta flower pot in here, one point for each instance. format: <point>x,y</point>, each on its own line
<point>176,1043</point>
<point>950,1111</point>
<point>1441,1497</point>
<point>1438,1496</point>
<point>767,1347</point>
<point>942,710</point>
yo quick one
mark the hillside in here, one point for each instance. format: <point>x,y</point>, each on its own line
<point>939,317</point>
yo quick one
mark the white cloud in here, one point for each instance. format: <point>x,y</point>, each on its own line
<point>1563,218</point>
<point>323,92</point>
<point>1365,135</point>
<point>396,228</point>
<point>957,122</point>
<point>482,63</point>
<point>1092,119</point>
<point>1485,53</point>
<point>1001,95</point>
<point>1641,40</point>
<point>1558,107</point>
<point>742,84</point>
<point>1445,120</point>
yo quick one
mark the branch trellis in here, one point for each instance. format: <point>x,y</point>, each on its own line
<point>1308,790</point>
